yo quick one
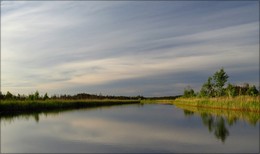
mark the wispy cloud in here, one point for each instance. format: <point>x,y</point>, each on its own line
<point>65,46</point>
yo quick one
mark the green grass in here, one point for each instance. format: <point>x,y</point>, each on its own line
<point>240,107</point>
<point>40,105</point>
<point>243,103</point>
<point>151,101</point>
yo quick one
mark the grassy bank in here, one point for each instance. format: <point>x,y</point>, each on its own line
<point>158,101</point>
<point>242,103</point>
<point>38,105</point>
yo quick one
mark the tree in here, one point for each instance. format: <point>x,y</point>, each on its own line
<point>55,96</point>
<point>230,90</point>
<point>252,91</point>
<point>189,92</point>
<point>220,78</point>
<point>207,88</point>
<point>1,96</point>
<point>8,95</point>
<point>36,95</point>
<point>45,96</point>
<point>18,96</point>
<point>31,97</point>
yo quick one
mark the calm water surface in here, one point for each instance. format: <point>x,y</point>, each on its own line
<point>127,128</point>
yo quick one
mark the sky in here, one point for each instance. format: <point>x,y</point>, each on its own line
<point>148,48</point>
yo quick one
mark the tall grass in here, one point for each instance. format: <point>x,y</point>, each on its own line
<point>151,101</point>
<point>244,103</point>
<point>40,105</point>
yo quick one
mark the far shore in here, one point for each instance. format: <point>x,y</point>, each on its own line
<point>239,103</point>
<point>14,106</point>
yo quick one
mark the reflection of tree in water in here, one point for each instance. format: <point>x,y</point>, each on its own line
<point>216,124</point>
<point>36,117</point>
<point>11,117</point>
<point>188,113</point>
<point>221,132</point>
<point>208,120</point>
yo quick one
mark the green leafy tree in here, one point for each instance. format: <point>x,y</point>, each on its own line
<point>220,78</point>
<point>207,88</point>
<point>1,96</point>
<point>252,91</point>
<point>36,95</point>
<point>189,92</point>
<point>45,96</point>
<point>31,97</point>
<point>18,96</point>
<point>230,90</point>
<point>8,95</point>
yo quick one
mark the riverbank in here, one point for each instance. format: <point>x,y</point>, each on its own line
<point>242,103</point>
<point>12,106</point>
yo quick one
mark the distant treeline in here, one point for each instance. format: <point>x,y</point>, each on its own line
<point>80,96</point>
<point>215,87</point>
<point>163,97</point>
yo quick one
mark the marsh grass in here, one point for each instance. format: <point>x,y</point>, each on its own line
<point>243,103</point>
<point>150,101</point>
<point>40,105</point>
<point>240,107</point>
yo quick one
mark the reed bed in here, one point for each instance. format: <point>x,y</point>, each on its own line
<point>40,105</point>
<point>243,103</point>
<point>150,101</point>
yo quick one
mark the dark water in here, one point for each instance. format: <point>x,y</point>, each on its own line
<point>127,128</point>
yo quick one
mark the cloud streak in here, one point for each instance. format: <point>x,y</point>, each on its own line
<point>66,46</point>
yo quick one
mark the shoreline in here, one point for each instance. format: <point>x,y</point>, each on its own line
<point>16,106</point>
<point>239,103</point>
<point>218,108</point>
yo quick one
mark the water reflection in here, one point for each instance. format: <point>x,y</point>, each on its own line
<point>11,117</point>
<point>217,120</point>
<point>216,124</point>
<point>126,129</point>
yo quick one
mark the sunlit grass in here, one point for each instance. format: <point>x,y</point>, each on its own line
<point>244,103</point>
<point>242,107</point>
<point>151,101</point>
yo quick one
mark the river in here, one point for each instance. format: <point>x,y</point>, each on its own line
<point>150,128</point>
